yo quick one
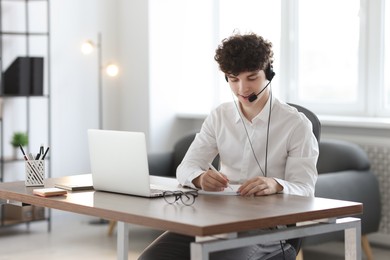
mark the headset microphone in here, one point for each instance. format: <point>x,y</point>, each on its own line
<point>253,96</point>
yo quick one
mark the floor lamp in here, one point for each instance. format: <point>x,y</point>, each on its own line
<point>111,70</point>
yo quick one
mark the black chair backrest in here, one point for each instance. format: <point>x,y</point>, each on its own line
<point>181,148</point>
<point>313,119</point>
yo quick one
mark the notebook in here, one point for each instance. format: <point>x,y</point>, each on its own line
<point>119,163</point>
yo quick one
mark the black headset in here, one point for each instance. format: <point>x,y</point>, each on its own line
<point>269,73</point>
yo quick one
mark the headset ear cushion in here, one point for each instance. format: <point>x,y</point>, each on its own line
<point>269,73</point>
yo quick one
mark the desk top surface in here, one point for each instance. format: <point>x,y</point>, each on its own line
<point>209,215</point>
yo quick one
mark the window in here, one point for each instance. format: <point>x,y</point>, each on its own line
<point>181,55</point>
<point>330,55</point>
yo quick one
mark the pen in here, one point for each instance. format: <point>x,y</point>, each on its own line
<point>41,152</point>
<point>24,154</point>
<point>43,157</point>
<point>213,168</point>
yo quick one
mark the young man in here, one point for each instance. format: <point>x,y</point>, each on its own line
<point>263,144</point>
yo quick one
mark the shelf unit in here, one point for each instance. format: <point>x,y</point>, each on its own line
<point>27,37</point>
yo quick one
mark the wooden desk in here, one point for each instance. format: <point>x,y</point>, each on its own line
<point>209,215</point>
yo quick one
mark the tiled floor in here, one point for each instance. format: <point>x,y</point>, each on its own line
<point>73,237</point>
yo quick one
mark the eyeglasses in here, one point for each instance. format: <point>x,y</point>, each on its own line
<point>187,198</point>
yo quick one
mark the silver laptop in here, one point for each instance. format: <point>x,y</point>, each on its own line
<point>119,163</point>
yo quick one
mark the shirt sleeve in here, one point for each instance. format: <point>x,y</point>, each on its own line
<point>201,152</point>
<point>301,171</point>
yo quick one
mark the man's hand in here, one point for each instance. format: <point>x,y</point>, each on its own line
<point>259,186</point>
<point>211,181</point>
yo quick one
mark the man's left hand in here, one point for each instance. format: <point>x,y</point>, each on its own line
<point>260,186</point>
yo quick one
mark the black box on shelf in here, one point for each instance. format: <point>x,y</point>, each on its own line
<point>37,76</point>
<point>24,77</point>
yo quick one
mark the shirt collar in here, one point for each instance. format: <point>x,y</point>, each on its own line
<point>262,116</point>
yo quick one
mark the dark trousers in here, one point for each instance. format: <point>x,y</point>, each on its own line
<point>174,246</point>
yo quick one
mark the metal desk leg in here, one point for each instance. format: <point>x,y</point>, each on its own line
<point>353,242</point>
<point>122,240</point>
<point>197,252</point>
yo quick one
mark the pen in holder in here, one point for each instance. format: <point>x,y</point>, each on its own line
<point>35,172</point>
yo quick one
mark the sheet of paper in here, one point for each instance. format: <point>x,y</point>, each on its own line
<point>226,191</point>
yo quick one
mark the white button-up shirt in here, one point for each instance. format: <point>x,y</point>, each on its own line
<point>292,147</point>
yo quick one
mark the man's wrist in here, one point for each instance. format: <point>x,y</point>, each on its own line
<point>279,187</point>
<point>196,182</point>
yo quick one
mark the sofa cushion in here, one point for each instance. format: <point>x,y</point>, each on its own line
<point>337,155</point>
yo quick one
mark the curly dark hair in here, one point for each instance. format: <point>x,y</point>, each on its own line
<point>241,53</point>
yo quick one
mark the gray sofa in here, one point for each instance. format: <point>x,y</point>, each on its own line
<point>344,173</point>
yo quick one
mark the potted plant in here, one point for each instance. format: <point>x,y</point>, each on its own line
<point>19,138</point>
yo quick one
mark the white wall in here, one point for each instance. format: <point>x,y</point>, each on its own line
<point>132,101</point>
<point>75,80</point>
<point>125,39</point>
<point>146,104</point>
<point>133,45</point>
